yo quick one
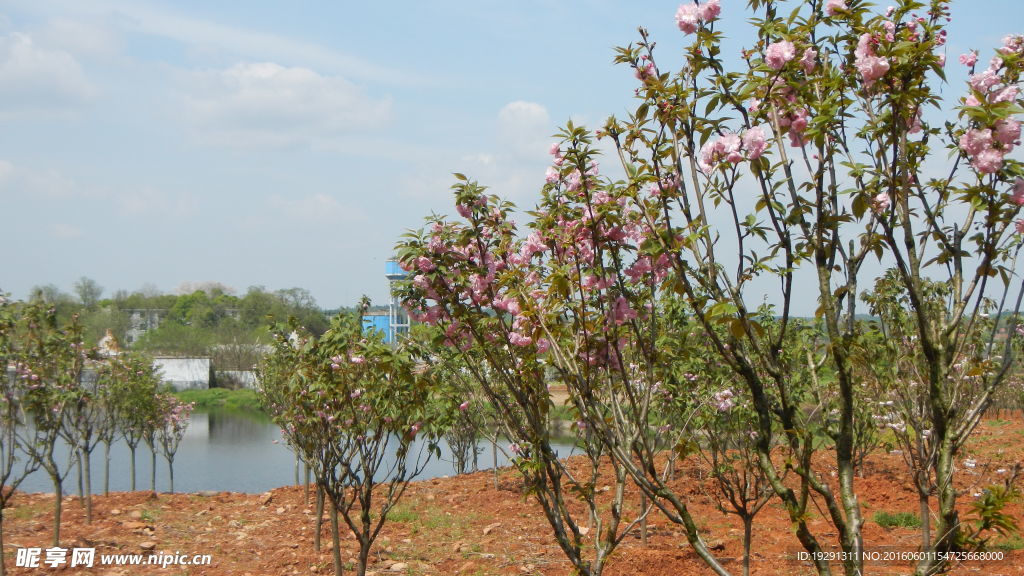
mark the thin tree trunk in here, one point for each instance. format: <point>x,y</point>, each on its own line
<point>748,529</point>
<point>78,467</point>
<point>170,473</point>
<point>58,492</point>
<point>3,563</point>
<point>307,479</point>
<point>131,466</point>
<point>87,469</point>
<point>318,522</point>
<point>106,469</point>
<point>643,520</point>
<point>152,476</point>
<point>494,461</point>
<point>336,540</point>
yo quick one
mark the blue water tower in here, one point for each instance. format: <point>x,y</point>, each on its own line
<point>398,321</point>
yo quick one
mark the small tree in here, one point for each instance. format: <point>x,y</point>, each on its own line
<point>133,386</point>
<point>359,413</point>
<point>175,420</point>
<point>15,463</point>
<point>51,362</point>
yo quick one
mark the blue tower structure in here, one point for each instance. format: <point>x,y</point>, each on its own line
<point>398,318</point>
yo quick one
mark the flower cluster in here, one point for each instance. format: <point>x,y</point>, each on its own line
<point>987,145</point>
<point>690,16</point>
<point>733,148</point>
<point>869,65</point>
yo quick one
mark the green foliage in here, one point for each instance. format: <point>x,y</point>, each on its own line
<point>223,398</point>
<point>891,520</point>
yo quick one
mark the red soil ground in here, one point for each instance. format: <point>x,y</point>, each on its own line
<point>464,525</point>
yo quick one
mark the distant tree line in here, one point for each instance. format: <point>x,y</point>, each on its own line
<point>204,320</point>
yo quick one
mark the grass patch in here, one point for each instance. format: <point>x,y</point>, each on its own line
<point>897,520</point>
<point>1015,542</point>
<point>242,399</point>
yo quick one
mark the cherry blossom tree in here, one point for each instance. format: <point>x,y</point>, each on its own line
<point>361,415</point>
<point>741,192</point>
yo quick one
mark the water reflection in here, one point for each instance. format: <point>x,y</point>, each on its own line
<point>223,451</point>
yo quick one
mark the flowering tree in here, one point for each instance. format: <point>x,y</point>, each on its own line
<point>359,413</point>
<point>50,365</point>
<point>483,287</point>
<point>802,170</point>
<point>132,382</point>
<point>15,463</point>
<point>172,428</point>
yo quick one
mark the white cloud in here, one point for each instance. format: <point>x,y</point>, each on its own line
<point>80,37</point>
<point>266,104</point>
<point>65,231</point>
<point>524,129</point>
<point>38,80</point>
<point>315,209</point>
<point>213,38</point>
<point>152,201</point>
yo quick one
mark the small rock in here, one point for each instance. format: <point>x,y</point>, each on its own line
<point>147,545</point>
<point>491,527</point>
<point>280,510</point>
<point>398,567</point>
<point>114,511</point>
<point>135,514</point>
<point>134,525</point>
<point>266,499</point>
<point>207,493</point>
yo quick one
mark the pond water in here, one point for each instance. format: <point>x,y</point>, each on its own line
<point>224,451</point>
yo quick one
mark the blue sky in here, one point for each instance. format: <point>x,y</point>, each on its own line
<point>291,143</point>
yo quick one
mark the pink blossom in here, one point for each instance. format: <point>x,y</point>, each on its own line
<point>1007,132</point>
<point>1019,225</point>
<point>1006,94</point>
<point>778,53</point>
<point>463,210</point>
<point>555,150</point>
<point>880,202</point>
<point>425,264</point>
<point>754,142</point>
<point>543,345</point>
<point>639,269</point>
<point>730,145</point>
<point>971,101</point>
<point>870,66</point>
<point>724,400</point>
<point>969,59</point>
<point>644,71</point>
<point>1018,192</point>
<point>710,10</point>
<point>983,81</point>
<point>988,161</point>
<point>551,175</point>
<point>975,141</point>
<point>834,6</point>
<point>687,18</point>
<point>622,312</point>
<point>1012,44</point>
<point>808,60</point>
<point>464,406</point>
<point>518,339</point>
